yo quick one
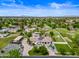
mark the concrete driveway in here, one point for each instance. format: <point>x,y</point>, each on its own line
<point>51,51</point>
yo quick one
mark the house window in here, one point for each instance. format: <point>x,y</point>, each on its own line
<point>2,51</point>
<point>51,42</point>
<point>45,42</point>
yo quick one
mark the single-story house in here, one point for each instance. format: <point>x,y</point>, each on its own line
<point>3,35</point>
<point>17,40</point>
<point>37,39</point>
<point>27,29</point>
<point>4,29</point>
<point>4,51</point>
<point>13,29</point>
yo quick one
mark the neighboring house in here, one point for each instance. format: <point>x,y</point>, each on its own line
<point>27,29</point>
<point>17,40</point>
<point>4,30</point>
<point>9,47</point>
<point>37,39</point>
<point>31,29</point>
<point>13,29</point>
<point>4,35</point>
<point>70,21</point>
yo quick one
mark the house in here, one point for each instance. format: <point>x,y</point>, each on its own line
<point>17,40</point>
<point>2,35</point>
<point>4,51</point>
<point>13,29</point>
<point>46,40</point>
<point>27,29</point>
<point>36,35</point>
<point>31,29</point>
<point>4,29</point>
<point>37,39</point>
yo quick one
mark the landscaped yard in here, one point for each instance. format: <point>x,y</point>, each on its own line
<point>41,51</point>
<point>5,41</point>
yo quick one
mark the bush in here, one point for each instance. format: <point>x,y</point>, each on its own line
<point>43,50</point>
<point>38,51</point>
<point>62,51</point>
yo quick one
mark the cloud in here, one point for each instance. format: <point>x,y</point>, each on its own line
<point>39,12</point>
<point>56,9</point>
<point>63,5</point>
<point>12,4</point>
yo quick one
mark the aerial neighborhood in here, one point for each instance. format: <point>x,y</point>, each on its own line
<point>39,36</point>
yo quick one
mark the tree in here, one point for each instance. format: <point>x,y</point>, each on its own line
<point>77,42</point>
<point>51,33</point>
<point>28,34</point>
<point>14,53</point>
<point>62,51</point>
<point>28,41</point>
<point>72,52</point>
<point>43,50</point>
<point>38,51</point>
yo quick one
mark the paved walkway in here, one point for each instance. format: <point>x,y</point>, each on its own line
<point>63,38</point>
<point>26,48</point>
<point>60,42</point>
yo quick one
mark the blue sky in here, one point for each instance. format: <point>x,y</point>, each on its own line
<point>39,8</point>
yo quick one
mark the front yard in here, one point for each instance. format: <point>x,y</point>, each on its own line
<point>5,41</point>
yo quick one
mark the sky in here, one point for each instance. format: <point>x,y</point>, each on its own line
<point>39,7</point>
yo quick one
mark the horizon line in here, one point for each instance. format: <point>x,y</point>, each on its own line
<point>39,16</point>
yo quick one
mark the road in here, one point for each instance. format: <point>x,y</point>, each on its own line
<point>26,48</point>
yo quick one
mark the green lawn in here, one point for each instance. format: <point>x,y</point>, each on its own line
<point>71,35</point>
<point>5,41</point>
<point>63,31</point>
<point>57,37</point>
<point>62,46</point>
